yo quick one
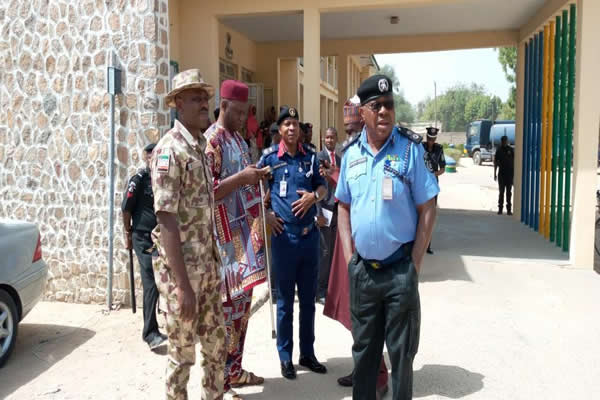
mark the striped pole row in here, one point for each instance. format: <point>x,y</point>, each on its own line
<point>548,129</point>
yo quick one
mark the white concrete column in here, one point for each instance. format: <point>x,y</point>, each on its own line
<point>585,136</point>
<point>343,79</point>
<point>520,102</point>
<point>312,72</point>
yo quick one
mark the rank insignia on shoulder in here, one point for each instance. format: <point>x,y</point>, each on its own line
<point>270,150</point>
<point>410,135</point>
<point>162,163</point>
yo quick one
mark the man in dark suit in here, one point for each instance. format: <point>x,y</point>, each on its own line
<point>329,163</point>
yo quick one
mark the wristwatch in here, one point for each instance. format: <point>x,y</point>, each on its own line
<point>317,198</point>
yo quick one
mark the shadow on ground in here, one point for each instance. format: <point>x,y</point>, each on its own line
<point>446,381</point>
<point>486,234</point>
<point>38,348</point>
<point>441,380</point>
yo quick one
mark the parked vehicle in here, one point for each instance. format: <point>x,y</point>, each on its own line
<point>23,275</point>
<point>483,137</point>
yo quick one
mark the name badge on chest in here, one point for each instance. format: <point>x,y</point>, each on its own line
<point>387,190</point>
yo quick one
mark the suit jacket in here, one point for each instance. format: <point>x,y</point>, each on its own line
<point>329,200</point>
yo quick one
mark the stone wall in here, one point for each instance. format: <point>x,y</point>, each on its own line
<point>55,132</point>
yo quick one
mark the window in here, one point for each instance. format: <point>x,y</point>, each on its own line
<point>247,75</point>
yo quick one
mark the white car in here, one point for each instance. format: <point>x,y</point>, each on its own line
<point>23,275</point>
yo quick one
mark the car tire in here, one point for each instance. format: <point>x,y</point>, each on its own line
<point>477,158</point>
<point>9,322</point>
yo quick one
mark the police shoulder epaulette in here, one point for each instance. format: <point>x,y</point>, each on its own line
<point>270,150</point>
<point>410,135</point>
<point>350,143</point>
<point>309,147</point>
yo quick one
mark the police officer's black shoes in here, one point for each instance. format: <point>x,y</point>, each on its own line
<point>287,370</point>
<point>313,364</point>
<point>499,211</point>
<point>346,381</point>
<point>157,341</point>
<point>508,211</point>
<point>429,251</point>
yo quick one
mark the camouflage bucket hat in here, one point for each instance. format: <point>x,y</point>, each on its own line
<point>188,79</point>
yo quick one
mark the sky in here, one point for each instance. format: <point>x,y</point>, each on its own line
<point>418,71</point>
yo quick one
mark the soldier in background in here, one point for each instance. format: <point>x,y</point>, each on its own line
<point>138,222</point>
<point>434,160</point>
<point>504,160</point>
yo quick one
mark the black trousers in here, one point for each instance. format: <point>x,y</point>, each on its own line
<point>327,238</point>
<point>505,186</point>
<point>142,245</point>
<point>384,306</point>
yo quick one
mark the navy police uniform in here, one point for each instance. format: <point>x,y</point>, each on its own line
<point>296,250</point>
<point>383,191</point>
<point>434,158</point>
<point>139,201</point>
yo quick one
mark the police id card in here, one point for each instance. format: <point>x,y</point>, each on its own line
<point>388,188</point>
<point>282,188</point>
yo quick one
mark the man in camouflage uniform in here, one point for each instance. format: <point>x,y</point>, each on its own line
<point>187,267</point>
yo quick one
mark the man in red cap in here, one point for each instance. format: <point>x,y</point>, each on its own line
<point>238,226</point>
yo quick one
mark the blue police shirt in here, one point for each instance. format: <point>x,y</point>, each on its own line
<point>379,226</point>
<point>299,172</point>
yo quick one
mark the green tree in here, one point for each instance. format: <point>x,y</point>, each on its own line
<point>507,56</point>
<point>404,110</point>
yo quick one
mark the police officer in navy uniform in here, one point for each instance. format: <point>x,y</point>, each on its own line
<point>504,160</point>
<point>138,221</point>
<point>295,186</point>
<point>388,193</point>
<point>434,160</point>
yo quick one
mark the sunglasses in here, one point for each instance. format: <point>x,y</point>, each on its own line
<point>376,106</point>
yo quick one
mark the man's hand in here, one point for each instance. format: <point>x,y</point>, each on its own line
<point>186,299</point>
<point>321,221</point>
<point>274,222</point>
<point>128,241</point>
<point>251,175</point>
<point>417,262</point>
<point>301,206</point>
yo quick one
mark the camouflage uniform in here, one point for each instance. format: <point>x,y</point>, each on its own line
<point>183,186</point>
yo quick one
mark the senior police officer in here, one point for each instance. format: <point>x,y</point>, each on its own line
<point>387,192</point>
<point>295,186</point>
<point>188,264</point>
<point>434,160</point>
<point>138,222</point>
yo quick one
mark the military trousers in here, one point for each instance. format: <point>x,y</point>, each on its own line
<point>206,328</point>
<point>295,263</point>
<point>384,306</point>
<point>142,245</point>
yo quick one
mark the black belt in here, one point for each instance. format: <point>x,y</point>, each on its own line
<point>402,252</point>
<point>299,230</point>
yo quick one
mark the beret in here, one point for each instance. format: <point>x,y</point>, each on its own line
<point>274,128</point>
<point>373,87</point>
<point>287,112</point>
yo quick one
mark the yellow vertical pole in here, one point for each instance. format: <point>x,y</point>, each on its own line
<point>549,123</point>
<point>544,124</point>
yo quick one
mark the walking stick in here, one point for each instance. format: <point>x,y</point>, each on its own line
<point>131,281</point>
<point>264,221</point>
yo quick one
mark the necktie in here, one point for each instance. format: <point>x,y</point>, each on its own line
<point>332,155</point>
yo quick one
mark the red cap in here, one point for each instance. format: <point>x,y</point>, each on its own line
<point>234,90</point>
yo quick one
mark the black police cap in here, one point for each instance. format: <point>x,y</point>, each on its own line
<point>287,112</point>
<point>373,87</point>
<point>149,148</point>
<point>432,132</point>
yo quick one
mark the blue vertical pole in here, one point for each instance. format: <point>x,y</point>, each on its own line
<point>525,124</point>
<point>533,126</point>
<point>533,45</point>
